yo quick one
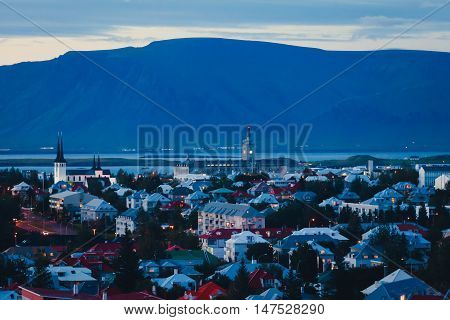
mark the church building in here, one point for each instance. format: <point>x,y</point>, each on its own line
<point>61,173</point>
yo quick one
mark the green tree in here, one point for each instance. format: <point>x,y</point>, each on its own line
<point>423,216</point>
<point>42,277</point>
<point>392,244</point>
<point>239,288</point>
<point>128,275</point>
<point>9,210</point>
<point>261,252</point>
<point>304,261</point>
<point>149,238</point>
<point>293,287</point>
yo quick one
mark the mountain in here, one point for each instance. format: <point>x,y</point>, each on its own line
<point>391,99</point>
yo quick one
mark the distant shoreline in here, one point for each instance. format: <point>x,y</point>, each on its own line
<point>122,162</point>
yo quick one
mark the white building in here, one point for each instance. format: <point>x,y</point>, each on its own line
<point>69,200</point>
<point>126,221</point>
<point>216,215</point>
<point>429,173</point>
<point>61,173</point>
<point>151,201</point>
<point>20,188</point>
<point>440,183</point>
<point>97,209</point>
<point>136,199</point>
<point>236,247</point>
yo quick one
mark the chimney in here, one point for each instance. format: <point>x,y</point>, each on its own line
<point>154,290</point>
<point>105,295</point>
<point>175,271</point>
<point>75,289</point>
<point>386,270</point>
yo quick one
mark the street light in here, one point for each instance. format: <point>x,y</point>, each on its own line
<point>15,239</point>
<point>309,224</point>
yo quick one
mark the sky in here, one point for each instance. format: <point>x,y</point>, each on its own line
<point>32,30</point>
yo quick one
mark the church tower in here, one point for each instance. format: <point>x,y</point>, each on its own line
<point>60,164</point>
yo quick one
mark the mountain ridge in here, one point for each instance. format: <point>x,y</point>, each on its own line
<point>392,99</point>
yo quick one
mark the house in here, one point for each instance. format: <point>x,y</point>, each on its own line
<point>362,255</point>
<point>266,199</point>
<point>66,277</point>
<point>415,240</point>
<point>164,189</point>
<point>208,291</point>
<point>441,182</point>
<point>429,173</point>
<point>260,280</point>
<point>229,216</point>
<point>231,270</point>
<point>333,202</point>
<point>33,253</point>
<point>325,256</point>
<point>221,192</point>
<point>348,196</point>
<point>259,188</point>
<point>179,193</point>
<point>269,294</point>
<point>405,187</point>
<point>304,235</point>
<point>126,221</point>
<point>398,285</point>
<point>135,200</point>
<point>29,293</point>
<point>197,198</point>
<point>21,189</point>
<point>316,179</point>
<point>152,201</point>
<point>237,245</point>
<point>390,195</point>
<point>69,200</point>
<point>214,241</point>
<point>96,209</point>
<point>305,196</point>
<point>181,280</point>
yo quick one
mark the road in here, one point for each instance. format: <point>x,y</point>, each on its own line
<point>35,223</point>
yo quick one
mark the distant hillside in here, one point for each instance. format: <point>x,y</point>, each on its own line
<point>390,100</point>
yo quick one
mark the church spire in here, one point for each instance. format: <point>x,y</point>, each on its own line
<point>59,150</point>
<point>94,166</point>
<point>98,163</point>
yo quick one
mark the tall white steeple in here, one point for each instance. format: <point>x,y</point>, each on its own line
<point>60,164</point>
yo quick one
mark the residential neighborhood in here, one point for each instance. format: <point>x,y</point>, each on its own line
<point>318,232</point>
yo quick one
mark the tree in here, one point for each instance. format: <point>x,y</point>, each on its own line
<point>423,216</point>
<point>149,238</point>
<point>239,288</point>
<point>127,265</point>
<point>354,229</point>
<point>261,252</point>
<point>293,287</point>
<point>42,277</point>
<point>9,210</point>
<point>392,244</point>
<point>12,270</point>
<point>304,261</point>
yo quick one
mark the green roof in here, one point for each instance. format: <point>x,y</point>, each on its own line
<point>193,255</point>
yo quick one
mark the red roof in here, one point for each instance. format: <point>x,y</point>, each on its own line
<point>175,248</point>
<point>220,234</point>
<point>51,294</point>
<point>412,227</point>
<point>254,278</point>
<point>241,193</point>
<point>142,295</point>
<point>205,292</point>
<point>105,248</point>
